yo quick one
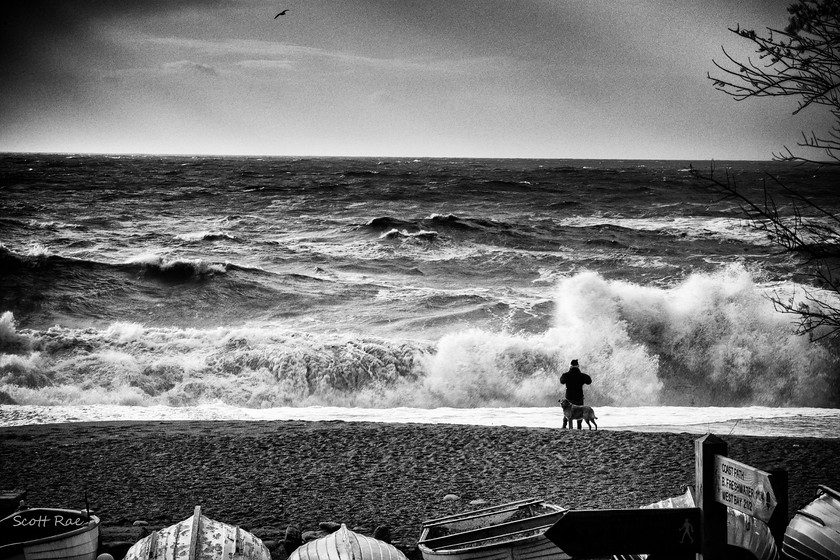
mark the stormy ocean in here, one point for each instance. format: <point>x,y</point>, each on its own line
<point>402,290</point>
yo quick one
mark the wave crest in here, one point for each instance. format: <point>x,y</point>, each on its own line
<point>199,236</point>
<point>177,270</point>
<point>424,235</point>
<point>10,341</point>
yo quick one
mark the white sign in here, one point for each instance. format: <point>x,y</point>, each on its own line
<point>744,488</point>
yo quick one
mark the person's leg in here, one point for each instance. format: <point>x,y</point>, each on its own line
<point>580,420</point>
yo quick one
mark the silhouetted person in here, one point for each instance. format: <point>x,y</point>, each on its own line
<point>574,380</point>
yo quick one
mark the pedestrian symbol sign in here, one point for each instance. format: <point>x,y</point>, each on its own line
<point>687,531</point>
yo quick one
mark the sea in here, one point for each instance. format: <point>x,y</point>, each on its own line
<point>409,290</point>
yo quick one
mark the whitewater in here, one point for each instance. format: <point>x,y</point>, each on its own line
<point>721,421</point>
<point>155,288</point>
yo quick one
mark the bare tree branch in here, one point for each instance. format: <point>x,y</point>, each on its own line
<point>801,61</point>
<point>802,228</point>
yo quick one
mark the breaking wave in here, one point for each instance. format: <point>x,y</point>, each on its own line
<point>199,236</point>
<point>714,339</point>
<point>39,257</point>
<point>448,222</point>
<point>174,269</point>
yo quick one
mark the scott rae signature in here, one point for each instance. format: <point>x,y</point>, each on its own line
<point>48,521</point>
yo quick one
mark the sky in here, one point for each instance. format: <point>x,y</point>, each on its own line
<point>618,79</point>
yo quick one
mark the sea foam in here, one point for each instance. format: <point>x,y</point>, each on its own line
<point>713,339</point>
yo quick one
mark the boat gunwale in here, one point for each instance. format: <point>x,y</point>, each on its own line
<point>536,520</point>
<point>93,522</point>
<point>830,491</point>
<point>501,508</point>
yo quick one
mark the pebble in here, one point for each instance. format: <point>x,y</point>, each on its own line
<point>382,533</point>
<point>105,556</point>
<point>140,523</point>
<point>329,526</point>
<point>292,533</point>
<point>308,536</point>
<point>478,502</point>
<point>451,498</point>
<point>292,539</point>
<point>488,454</point>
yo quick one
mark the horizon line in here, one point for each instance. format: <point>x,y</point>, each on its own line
<point>359,156</point>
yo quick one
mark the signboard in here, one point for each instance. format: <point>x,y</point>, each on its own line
<point>588,533</point>
<point>744,488</point>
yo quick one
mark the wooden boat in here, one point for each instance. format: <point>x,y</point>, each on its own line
<point>49,534</point>
<point>10,500</point>
<point>199,538</point>
<point>814,532</point>
<point>345,544</point>
<point>742,530</point>
<point>511,531</point>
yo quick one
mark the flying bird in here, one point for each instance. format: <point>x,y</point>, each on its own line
<point>283,13</point>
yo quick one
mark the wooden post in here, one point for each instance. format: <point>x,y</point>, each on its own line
<point>713,514</point>
<point>779,520</point>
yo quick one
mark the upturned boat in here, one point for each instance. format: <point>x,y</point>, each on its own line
<point>511,531</point>
<point>814,531</point>
<point>49,534</point>
<point>345,544</point>
<point>199,538</point>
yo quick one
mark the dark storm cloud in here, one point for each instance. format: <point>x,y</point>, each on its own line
<point>30,28</point>
<point>49,46</point>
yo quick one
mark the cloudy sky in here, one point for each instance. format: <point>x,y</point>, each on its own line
<point>455,78</point>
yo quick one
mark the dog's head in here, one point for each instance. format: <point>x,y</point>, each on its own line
<point>565,403</point>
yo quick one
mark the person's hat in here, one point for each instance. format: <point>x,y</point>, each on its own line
<point>574,363</point>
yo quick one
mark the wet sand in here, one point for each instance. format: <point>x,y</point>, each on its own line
<point>265,476</point>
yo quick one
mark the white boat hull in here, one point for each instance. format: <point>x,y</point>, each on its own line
<point>814,532</point>
<point>199,538</point>
<point>346,545</point>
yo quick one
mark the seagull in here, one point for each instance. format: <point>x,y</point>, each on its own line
<point>283,13</point>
